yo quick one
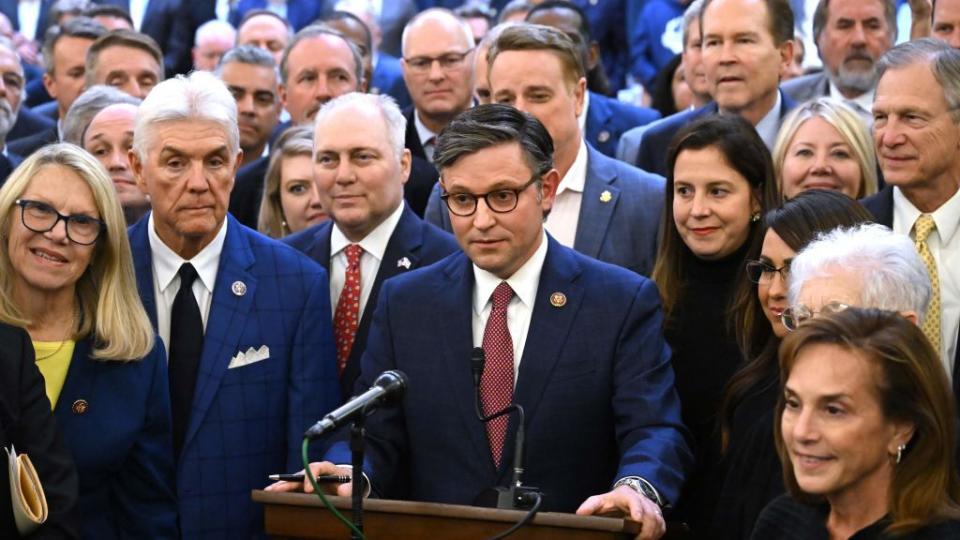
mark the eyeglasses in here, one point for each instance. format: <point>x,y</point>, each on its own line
<point>448,61</point>
<point>40,217</point>
<point>500,201</point>
<point>794,316</point>
<point>762,272</point>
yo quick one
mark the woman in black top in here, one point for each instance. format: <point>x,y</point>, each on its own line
<point>865,433</point>
<point>719,182</point>
<point>752,476</point>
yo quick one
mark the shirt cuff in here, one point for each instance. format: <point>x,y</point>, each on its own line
<point>366,479</point>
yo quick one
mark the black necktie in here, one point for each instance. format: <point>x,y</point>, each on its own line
<point>186,347</point>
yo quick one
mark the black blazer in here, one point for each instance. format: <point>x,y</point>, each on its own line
<point>27,422</point>
<point>29,123</point>
<point>30,144</point>
<point>247,191</point>
<point>413,244</point>
<point>8,163</point>
<point>412,140</point>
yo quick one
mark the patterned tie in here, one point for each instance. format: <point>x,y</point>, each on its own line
<point>347,315</point>
<point>496,384</point>
<point>931,323</point>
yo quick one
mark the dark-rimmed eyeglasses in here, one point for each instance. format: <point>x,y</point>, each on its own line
<point>448,61</point>
<point>40,217</point>
<point>794,316</point>
<point>501,201</point>
<point>763,272</point>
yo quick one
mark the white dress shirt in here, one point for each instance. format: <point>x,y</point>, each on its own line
<point>28,14</point>
<point>279,7</point>
<point>524,283</point>
<point>565,215</point>
<point>374,246</point>
<point>944,244</point>
<point>166,281</point>
<point>582,119</point>
<point>138,9</point>
<point>222,10</point>
<point>862,104</point>
<point>424,134</point>
<point>769,125</point>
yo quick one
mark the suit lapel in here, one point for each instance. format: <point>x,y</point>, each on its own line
<point>225,323</point>
<point>78,383</point>
<point>598,116</point>
<point>143,266</point>
<point>319,250</point>
<point>599,200</point>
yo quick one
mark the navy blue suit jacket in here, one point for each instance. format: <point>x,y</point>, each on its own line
<point>414,242</point>
<point>28,145</point>
<point>608,119</point>
<point>388,79</point>
<point>652,155</point>
<point>300,13</point>
<point>248,421</point>
<point>122,443</point>
<point>29,123</point>
<point>595,382</point>
<point>248,191</point>
<point>620,229</point>
<point>8,163</point>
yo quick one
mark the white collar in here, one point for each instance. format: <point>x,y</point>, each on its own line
<point>768,126</point>
<point>947,217</point>
<point>577,173</point>
<point>422,131</point>
<point>374,243</point>
<point>524,281</point>
<point>167,263</point>
<point>864,100</point>
<point>582,119</point>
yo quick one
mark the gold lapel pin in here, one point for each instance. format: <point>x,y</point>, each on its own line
<point>80,406</point>
<point>558,299</point>
<point>606,196</point>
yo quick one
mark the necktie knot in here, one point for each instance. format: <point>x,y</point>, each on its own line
<point>353,251</point>
<point>502,296</point>
<point>923,227</point>
<point>187,275</point>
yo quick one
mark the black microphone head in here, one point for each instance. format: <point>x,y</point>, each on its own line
<point>393,382</point>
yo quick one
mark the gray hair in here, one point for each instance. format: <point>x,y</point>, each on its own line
<point>198,96</point>
<point>250,55</point>
<point>690,16</point>
<point>313,31</point>
<point>77,27</point>
<point>389,110</point>
<point>87,105</point>
<point>943,61</point>
<point>213,28</point>
<point>891,272</point>
<point>436,13</point>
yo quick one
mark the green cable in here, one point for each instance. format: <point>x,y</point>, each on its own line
<point>318,491</point>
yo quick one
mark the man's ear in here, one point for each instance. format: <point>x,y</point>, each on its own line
<point>786,56</point>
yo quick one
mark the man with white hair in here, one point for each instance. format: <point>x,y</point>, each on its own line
<point>372,235</point>
<point>11,94</point>
<point>213,39</point>
<point>245,319</point>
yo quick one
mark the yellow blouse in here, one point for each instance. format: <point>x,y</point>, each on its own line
<point>53,359</point>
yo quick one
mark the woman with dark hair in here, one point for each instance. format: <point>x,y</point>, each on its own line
<point>865,434</point>
<point>752,470</point>
<point>670,92</point>
<point>720,180</point>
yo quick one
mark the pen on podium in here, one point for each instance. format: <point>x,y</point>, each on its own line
<point>299,477</point>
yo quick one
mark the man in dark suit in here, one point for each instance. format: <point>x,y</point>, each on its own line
<point>605,209</point>
<point>157,19</point>
<point>917,138</point>
<point>606,119</point>
<point>364,198</point>
<point>11,94</point>
<point>64,58</point>
<point>742,79</point>
<point>438,69</point>
<point>851,36</point>
<point>576,342</point>
<point>246,320</point>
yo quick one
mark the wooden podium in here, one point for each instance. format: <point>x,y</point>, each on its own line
<point>298,515</point>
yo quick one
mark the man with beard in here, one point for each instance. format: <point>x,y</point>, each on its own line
<point>11,93</point>
<point>851,35</point>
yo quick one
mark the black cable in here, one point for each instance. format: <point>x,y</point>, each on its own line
<point>526,519</point>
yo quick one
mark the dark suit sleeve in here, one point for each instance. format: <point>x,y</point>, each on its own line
<point>146,497</point>
<point>436,213</point>
<point>649,430</point>
<point>27,422</point>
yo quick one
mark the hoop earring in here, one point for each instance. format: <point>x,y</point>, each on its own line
<point>900,450</point>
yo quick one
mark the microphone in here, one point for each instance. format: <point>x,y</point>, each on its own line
<point>389,384</point>
<point>516,495</point>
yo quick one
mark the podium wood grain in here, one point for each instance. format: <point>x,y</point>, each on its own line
<point>298,515</point>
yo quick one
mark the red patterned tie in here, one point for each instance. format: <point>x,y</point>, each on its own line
<point>347,315</point>
<point>496,384</point>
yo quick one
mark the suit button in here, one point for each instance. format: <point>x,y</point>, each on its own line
<point>80,406</point>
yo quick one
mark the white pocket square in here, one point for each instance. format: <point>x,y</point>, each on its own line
<point>251,356</point>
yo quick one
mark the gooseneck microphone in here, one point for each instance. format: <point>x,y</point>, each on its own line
<point>388,385</point>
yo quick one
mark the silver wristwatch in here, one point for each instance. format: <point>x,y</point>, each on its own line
<point>642,487</point>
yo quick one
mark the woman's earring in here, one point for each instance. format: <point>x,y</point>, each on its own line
<point>900,450</point>
<point>755,217</point>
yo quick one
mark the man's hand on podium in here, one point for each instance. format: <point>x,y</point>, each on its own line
<point>634,506</point>
<point>319,469</point>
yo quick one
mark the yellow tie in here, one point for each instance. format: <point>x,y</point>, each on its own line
<point>931,323</point>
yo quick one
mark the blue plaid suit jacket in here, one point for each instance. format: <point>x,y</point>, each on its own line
<point>248,422</point>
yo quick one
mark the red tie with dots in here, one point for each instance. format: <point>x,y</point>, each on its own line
<point>347,315</point>
<point>496,383</point>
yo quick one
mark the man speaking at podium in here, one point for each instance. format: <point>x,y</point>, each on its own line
<point>575,341</point>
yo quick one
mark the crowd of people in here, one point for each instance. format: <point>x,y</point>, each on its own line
<point>717,279</point>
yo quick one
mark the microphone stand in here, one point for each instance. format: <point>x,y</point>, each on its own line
<point>356,457</point>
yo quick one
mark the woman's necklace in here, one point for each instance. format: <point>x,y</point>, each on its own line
<point>54,353</point>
